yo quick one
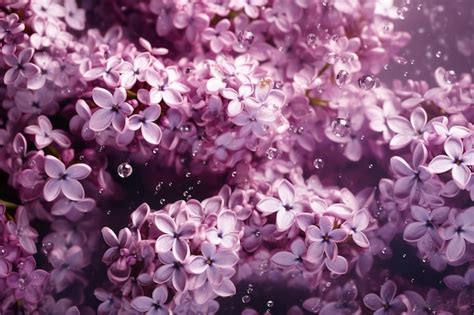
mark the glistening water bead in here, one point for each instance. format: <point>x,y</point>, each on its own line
<point>367,82</point>
<point>318,163</point>
<point>340,127</point>
<point>245,38</point>
<point>342,77</point>
<point>124,170</point>
<point>450,77</point>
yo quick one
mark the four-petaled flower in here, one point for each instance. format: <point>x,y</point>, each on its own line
<point>113,109</point>
<point>45,135</point>
<point>64,180</point>
<point>455,161</point>
<point>154,305</point>
<point>387,303</point>
<point>145,122</point>
<point>175,236</point>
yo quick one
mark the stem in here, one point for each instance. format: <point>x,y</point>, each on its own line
<point>323,69</point>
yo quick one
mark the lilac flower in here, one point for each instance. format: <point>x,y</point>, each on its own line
<point>407,131</point>
<point>165,10</point>
<point>387,303</point>
<point>21,231</point>
<point>175,236</point>
<point>455,161</point>
<point>131,72</point>
<point>166,87</point>
<point>427,222</point>
<point>220,37</point>
<point>359,222</point>
<point>74,16</point>
<point>145,122</point>
<point>459,230</point>
<point>255,233</point>
<point>323,239</point>
<point>345,302</point>
<point>212,262</point>
<point>464,284</point>
<point>192,21</point>
<point>45,135</point>
<point>422,307</point>
<point>20,67</point>
<point>296,257</point>
<point>109,73</point>
<point>251,7</point>
<point>35,102</point>
<point>47,9</point>
<point>27,283</point>
<point>286,207</point>
<point>172,269</point>
<point>80,122</point>
<point>154,305</point>
<point>415,181</point>
<point>113,109</point>
<point>236,104</point>
<point>225,234</point>
<point>64,180</point>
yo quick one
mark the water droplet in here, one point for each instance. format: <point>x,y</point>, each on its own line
<point>124,170</point>
<point>101,148</point>
<point>234,173</point>
<point>245,38</point>
<point>342,77</point>
<point>367,82</point>
<point>170,184</point>
<point>278,84</point>
<point>162,201</point>
<point>109,212</point>
<point>21,283</point>
<point>340,127</point>
<point>401,60</point>
<point>188,174</point>
<point>3,250</point>
<point>246,299</point>
<point>325,2</point>
<point>402,13</point>
<point>258,233</point>
<point>371,166</point>
<point>318,163</point>
<point>384,251</point>
<point>46,248</point>
<point>311,39</point>
<point>450,77</point>
<point>270,303</point>
<point>101,191</point>
<point>272,153</point>
<point>438,54</point>
<point>419,7</point>
<point>155,150</point>
<point>249,290</point>
<point>404,256</point>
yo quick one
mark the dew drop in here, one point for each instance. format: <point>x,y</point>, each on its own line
<point>318,163</point>
<point>249,290</point>
<point>246,299</point>
<point>401,60</point>
<point>3,250</point>
<point>450,77</point>
<point>311,39</point>
<point>270,303</point>
<point>404,256</point>
<point>155,150</point>
<point>272,153</point>
<point>245,38</point>
<point>371,166</point>
<point>21,283</point>
<point>258,234</point>
<point>162,201</point>
<point>46,248</point>
<point>124,170</point>
<point>367,82</point>
<point>109,212</point>
<point>438,54</point>
<point>419,7</point>
<point>340,127</point>
<point>234,173</point>
<point>342,77</point>
<point>101,191</point>
<point>188,174</point>
<point>331,58</point>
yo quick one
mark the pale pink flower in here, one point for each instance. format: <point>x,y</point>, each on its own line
<point>220,37</point>
<point>113,110</point>
<point>45,135</point>
<point>64,180</point>
<point>145,122</point>
<point>407,131</point>
<point>175,236</point>
<point>20,67</point>
<point>224,234</point>
<point>457,161</point>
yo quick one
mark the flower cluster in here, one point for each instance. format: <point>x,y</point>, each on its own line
<point>157,157</point>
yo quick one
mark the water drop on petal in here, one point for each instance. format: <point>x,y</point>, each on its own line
<point>450,77</point>
<point>342,77</point>
<point>272,153</point>
<point>245,38</point>
<point>340,127</point>
<point>367,82</point>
